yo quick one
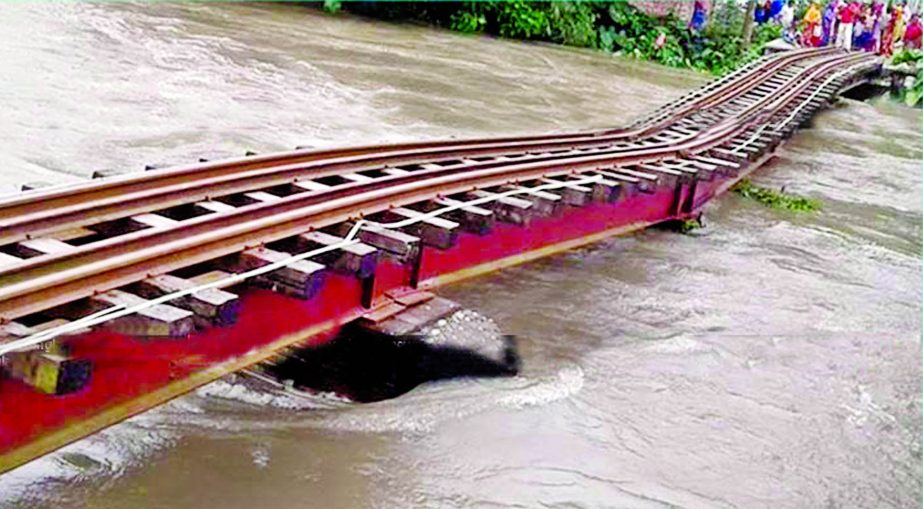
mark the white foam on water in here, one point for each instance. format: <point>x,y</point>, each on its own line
<point>294,400</point>
<point>423,409</point>
<point>568,382</point>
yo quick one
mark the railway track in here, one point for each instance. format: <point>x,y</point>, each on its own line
<point>91,196</point>
<point>188,253</point>
<point>250,207</point>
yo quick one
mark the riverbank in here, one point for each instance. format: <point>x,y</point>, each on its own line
<point>606,25</point>
<point>905,72</point>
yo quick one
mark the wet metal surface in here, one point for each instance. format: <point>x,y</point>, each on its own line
<point>770,361</point>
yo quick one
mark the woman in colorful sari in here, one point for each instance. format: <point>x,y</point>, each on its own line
<point>899,26</point>
<point>812,30</point>
<point>887,38</point>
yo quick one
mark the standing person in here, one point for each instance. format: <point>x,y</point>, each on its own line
<point>775,10</point>
<point>828,24</point>
<point>878,11</point>
<point>861,35</point>
<point>787,19</point>
<point>888,39</point>
<point>759,13</point>
<point>699,16</point>
<point>812,31</point>
<point>899,26</point>
<point>913,34</point>
<point>848,12</point>
<point>697,23</point>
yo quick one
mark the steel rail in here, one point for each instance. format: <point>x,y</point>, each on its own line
<point>67,196</point>
<point>46,281</point>
<point>51,219</point>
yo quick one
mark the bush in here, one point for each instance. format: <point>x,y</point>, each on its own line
<point>912,56</point>
<point>609,25</point>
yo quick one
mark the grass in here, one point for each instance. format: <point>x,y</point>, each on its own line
<point>776,199</point>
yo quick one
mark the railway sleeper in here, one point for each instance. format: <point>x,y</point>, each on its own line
<point>433,231</point>
<point>41,246</point>
<point>691,170</point>
<point>748,152</point>
<point>544,203</point>
<point>310,186</point>
<point>603,190</point>
<point>301,279</point>
<point>8,259</point>
<point>262,197</point>
<point>508,209</point>
<point>726,166</point>
<point>668,176</point>
<point>395,245</point>
<point>158,320</point>
<point>211,306</point>
<point>359,259</point>
<point>472,218</point>
<point>729,155</point>
<point>575,195</point>
<point>214,207</point>
<point>11,331</point>
<point>47,372</point>
<point>640,182</point>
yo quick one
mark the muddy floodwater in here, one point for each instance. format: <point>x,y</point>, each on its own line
<point>771,360</point>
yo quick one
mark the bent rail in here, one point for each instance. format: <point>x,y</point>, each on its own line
<point>37,283</point>
<point>89,196</point>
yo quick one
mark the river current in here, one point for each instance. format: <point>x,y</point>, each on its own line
<point>769,360</point>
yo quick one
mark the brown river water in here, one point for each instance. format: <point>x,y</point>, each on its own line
<point>771,360</point>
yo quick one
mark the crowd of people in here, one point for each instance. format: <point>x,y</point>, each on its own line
<point>851,24</point>
<point>865,25</point>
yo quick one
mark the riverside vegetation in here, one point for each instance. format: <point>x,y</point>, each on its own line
<point>606,25</point>
<point>776,199</point>
<point>912,96</point>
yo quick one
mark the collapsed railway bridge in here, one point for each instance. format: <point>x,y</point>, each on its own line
<point>123,292</point>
